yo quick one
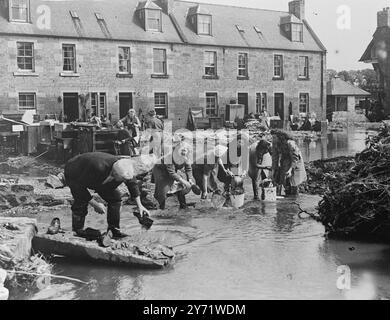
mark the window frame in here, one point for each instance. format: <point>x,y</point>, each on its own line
<point>160,106</point>
<point>245,69</point>
<point>281,66</point>
<point>338,101</point>
<point>307,105</point>
<point>212,65</point>
<point>148,17</point>
<point>305,68</point>
<point>27,9</point>
<point>128,60</point>
<point>24,108</point>
<point>297,34</point>
<point>261,102</point>
<point>97,106</point>
<point>32,57</point>
<point>215,109</point>
<point>74,58</point>
<point>199,24</point>
<point>164,62</point>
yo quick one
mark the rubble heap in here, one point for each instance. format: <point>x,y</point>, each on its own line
<point>357,204</point>
<point>321,173</point>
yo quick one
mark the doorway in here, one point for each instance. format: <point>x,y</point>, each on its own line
<point>279,105</point>
<point>125,103</point>
<point>242,98</point>
<point>71,106</point>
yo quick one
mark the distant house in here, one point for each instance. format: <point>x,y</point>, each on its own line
<point>378,53</point>
<point>166,55</point>
<point>342,98</point>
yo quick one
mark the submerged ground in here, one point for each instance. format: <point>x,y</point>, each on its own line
<point>262,251</point>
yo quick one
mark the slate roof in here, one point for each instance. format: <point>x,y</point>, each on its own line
<point>119,15</point>
<point>121,23</point>
<point>198,9</point>
<point>148,5</point>
<point>367,54</point>
<point>225,33</point>
<point>338,87</point>
<point>380,33</point>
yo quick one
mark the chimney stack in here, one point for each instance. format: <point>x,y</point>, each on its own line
<point>166,5</point>
<point>384,18</point>
<point>297,8</point>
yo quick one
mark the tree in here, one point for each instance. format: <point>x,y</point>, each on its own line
<point>345,76</point>
<point>365,79</point>
<point>330,73</point>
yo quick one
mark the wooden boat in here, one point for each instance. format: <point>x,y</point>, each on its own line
<point>121,253</point>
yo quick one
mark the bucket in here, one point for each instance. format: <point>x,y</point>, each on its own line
<point>269,194</point>
<point>237,200</point>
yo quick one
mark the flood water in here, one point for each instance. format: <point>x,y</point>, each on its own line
<point>335,144</point>
<point>262,251</point>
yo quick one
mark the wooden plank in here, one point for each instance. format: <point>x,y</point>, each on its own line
<point>73,247</point>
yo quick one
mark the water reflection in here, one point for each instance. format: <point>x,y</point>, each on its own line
<point>335,144</point>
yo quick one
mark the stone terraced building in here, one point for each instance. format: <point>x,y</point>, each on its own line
<point>166,55</point>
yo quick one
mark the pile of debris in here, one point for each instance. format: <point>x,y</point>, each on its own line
<point>357,204</point>
<point>16,197</point>
<point>28,165</point>
<point>322,173</point>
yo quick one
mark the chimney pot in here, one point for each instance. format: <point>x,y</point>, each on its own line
<point>297,8</point>
<point>384,18</point>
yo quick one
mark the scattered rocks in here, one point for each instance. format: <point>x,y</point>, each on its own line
<point>18,188</point>
<point>56,181</point>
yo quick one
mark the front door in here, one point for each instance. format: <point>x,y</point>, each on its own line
<point>71,107</point>
<point>243,99</point>
<point>279,105</point>
<point>125,103</point>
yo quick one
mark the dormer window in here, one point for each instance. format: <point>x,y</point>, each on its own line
<point>201,20</point>
<point>150,15</point>
<point>294,31</point>
<point>297,32</point>
<point>153,20</point>
<point>204,24</point>
<point>292,27</point>
<point>19,10</point>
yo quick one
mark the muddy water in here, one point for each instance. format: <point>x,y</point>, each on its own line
<point>262,251</point>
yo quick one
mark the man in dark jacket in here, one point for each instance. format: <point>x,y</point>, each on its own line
<point>103,173</point>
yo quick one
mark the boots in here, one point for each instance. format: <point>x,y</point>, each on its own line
<point>255,190</point>
<point>116,233</point>
<point>77,223</point>
<point>182,200</point>
<point>113,220</point>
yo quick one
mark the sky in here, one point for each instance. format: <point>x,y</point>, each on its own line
<point>344,41</point>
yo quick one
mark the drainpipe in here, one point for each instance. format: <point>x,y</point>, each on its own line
<point>322,85</point>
